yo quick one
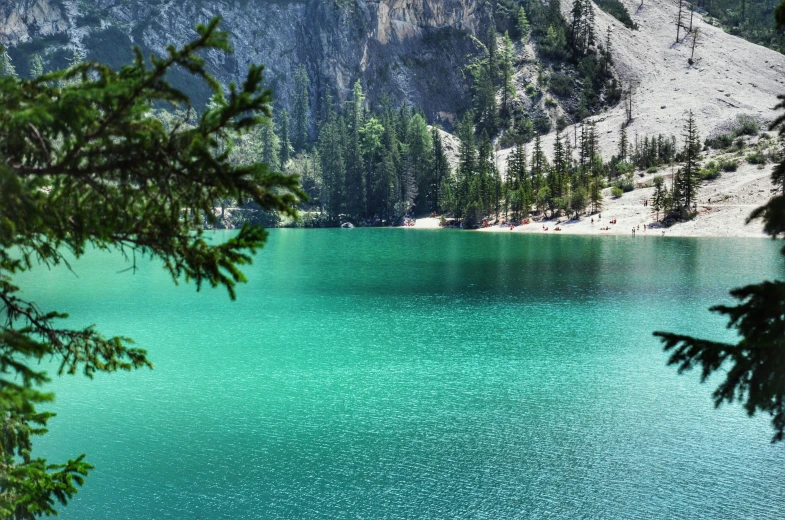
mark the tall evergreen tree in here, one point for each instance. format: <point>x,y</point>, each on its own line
<point>270,144</point>
<point>37,66</point>
<point>508,89</point>
<point>523,24</point>
<point>7,68</point>
<point>355,170</point>
<point>690,177</point>
<point>486,111</point>
<point>333,167</point>
<point>301,108</point>
<point>539,165</point>
<point>623,145</point>
<point>658,198</point>
<point>440,168</point>
<point>286,146</point>
<point>467,160</point>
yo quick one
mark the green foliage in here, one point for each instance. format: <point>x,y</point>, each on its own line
<point>542,124</point>
<point>728,165</point>
<point>616,192</point>
<point>659,198</point>
<point>756,158</point>
<point>710,171</point>
<point>616,9</point>
<point>301,108</point>
<point>625,184</point>
<point>524,28</point>
<point>378,166</point>
<point>561,85</point>
<point>36,66</point>
<point>285,151</point>
<point>84,163</point>
<point>748,19</point>
<point>743,125</point>
<point>7,69</point>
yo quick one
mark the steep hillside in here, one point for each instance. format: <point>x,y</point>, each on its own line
<point>730,77</point>
<point>414,50</point>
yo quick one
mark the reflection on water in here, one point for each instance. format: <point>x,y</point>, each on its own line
<point>415,374</point>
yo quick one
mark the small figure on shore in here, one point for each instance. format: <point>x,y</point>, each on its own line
<point>633,231</point>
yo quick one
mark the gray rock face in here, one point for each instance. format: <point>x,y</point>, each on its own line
<point>22,20</point>
<point>413,50</point>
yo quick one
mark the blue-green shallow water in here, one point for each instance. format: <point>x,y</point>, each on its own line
<point>400,374</point>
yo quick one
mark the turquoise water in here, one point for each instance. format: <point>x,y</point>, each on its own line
<point>416,374</point>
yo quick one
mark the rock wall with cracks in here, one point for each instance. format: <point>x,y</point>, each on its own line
<point>410,50</point>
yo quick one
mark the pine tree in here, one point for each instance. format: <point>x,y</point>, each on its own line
<point>508,89</point>
<point>558,171</point>
<point>595,195</point>
<point>689,180</point>
<point>440,168</point>
<point>658,198</point>
<point>355,178</point>
<point>467,160</point>
<point>301,108</point>
<point>485,174</point>
<point>286,145</point>
<point>331,154</point>
<point>37,66</point>
<point>484,106</point>
<point>523,24</point>
<point>623,145</point>
<point>493,55</point>
<point>7,68</point>
<point>270,144</point>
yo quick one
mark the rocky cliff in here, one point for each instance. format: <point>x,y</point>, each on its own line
<point>413,50</point>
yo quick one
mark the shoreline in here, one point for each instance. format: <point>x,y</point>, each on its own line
<point>584,228</point>
<point>723,207</point>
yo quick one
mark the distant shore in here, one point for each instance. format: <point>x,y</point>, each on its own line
<point>723,207</point>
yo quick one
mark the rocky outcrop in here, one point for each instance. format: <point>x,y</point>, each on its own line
<point>410,50</point>
<point>23,20</point>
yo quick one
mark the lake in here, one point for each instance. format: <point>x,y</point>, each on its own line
<point>377,373</point>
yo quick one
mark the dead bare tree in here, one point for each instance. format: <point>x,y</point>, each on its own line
<point>678,21</point>
<point>629,99</point>
<point>695,35</point>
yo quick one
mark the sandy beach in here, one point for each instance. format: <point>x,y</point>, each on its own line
<point>723,207</point>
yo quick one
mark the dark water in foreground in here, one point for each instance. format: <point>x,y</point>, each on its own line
<point>416,374</point>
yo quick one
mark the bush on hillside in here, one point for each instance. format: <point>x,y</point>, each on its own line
<point>728,165</point>
<point>616,9</point>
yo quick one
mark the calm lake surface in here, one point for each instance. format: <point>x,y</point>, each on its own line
<point>416,374</point>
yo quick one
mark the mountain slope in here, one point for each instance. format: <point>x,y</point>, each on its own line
<point>413,50</point>
<point>731,76</point>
